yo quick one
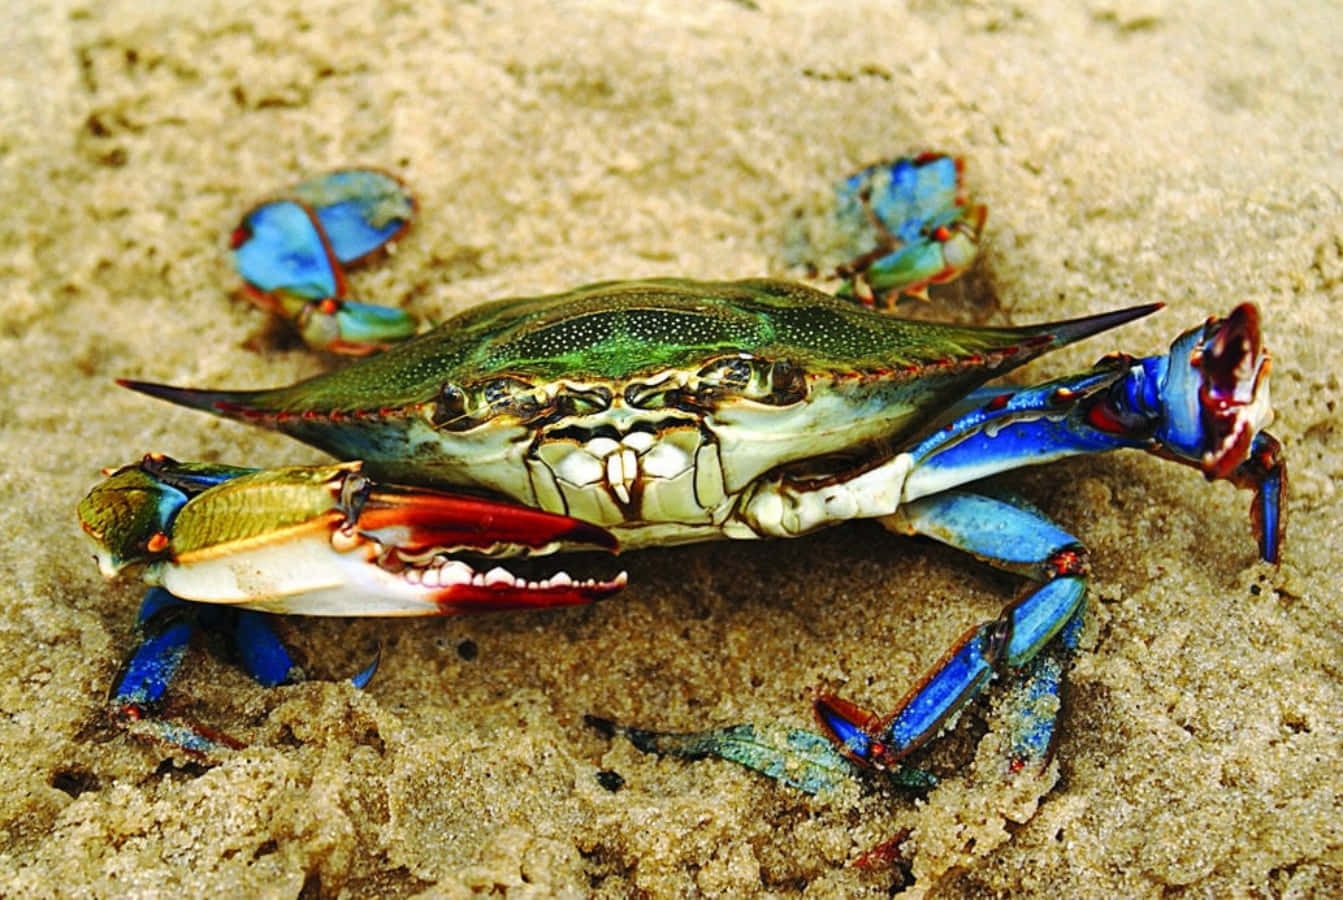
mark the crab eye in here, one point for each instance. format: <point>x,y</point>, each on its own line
<point>450,409</point>
<point>771,382</point>
<point>645,396</point>
<point>583,402</point>
<point>787,383</point>
<point>512,394</point>
<point>732,375</point>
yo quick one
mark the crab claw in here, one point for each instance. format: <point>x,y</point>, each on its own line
<point>1234,393</point>
<point>325,540</point>
<point>419,520</point>
<point>426,531</point>
<point>1266,473</point>
<point>910,223</point>
<point>291,253</point>
<point>1214,392</point>
<point>1215,396</point>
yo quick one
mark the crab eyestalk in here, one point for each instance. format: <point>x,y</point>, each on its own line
<point>325,540</point>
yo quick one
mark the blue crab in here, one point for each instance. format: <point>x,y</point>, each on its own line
<point>637,413</point>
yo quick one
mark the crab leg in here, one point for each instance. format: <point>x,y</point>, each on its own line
<point>291,254</point>
<point>911,224</point>
<point>165,626</point>
<point>1202,404</point>
<point>1007,537</point>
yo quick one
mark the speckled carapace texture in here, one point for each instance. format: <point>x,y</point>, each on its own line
<point>1128,150</point>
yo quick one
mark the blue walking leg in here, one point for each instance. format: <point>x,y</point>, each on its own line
<point>164,626</point>
<point>1007,537</point>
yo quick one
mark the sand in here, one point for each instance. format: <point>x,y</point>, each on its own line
<point>1129,151</point>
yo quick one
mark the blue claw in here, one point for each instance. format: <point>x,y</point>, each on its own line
<point>281,252</point>
<point>909,224</point>
<point>904,194</point>
<point>1266,473</point>
<point>291,254</point>
<point>361,210</point>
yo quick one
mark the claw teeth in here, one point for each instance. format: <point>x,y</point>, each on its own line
<point>454,572</point>
<point>499,576</point>
<point>444,572</point>
<point>343,540</point>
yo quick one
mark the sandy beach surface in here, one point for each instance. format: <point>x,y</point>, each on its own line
<point>1129,151</point>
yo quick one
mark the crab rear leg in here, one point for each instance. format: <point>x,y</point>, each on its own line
<point>802,759</point>
<point>1016,540</point>
<point>1203,404</point>
<point>165,626</point>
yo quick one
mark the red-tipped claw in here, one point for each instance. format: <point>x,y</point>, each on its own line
<point>1233,396</point>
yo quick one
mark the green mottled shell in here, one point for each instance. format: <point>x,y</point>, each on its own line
<point>867,382</point>
<point>618,330</point>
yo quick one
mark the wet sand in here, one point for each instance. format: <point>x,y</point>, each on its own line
<point>1129,151</point>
